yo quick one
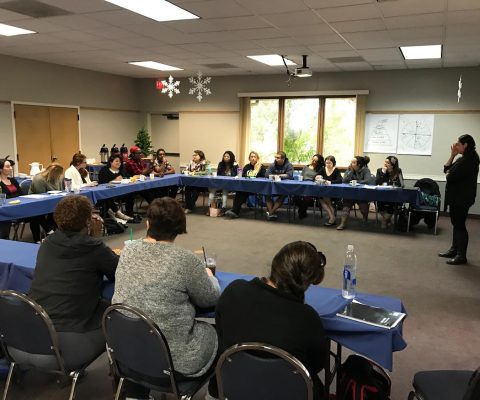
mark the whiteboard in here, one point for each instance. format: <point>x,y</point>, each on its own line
<point>381,132</point>
<point>415,134</point>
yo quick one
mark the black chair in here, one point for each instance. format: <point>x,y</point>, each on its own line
<point>139,353</point>
<point>446,385</point>
<point>29,339</point>
<point>257,371</point>
<point>17,224</point>
<point>429,213</point>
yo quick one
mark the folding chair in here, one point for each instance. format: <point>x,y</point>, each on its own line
<point>20,224</point>
<point>446,385</point>
<point>258,371</point>
<point>29,339</point>
<point>139,353</point>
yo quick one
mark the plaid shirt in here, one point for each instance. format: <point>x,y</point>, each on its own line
<point>134,167</point>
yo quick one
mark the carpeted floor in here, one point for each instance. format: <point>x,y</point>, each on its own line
<point>443,302</point>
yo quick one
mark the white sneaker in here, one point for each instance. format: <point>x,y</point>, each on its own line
<point>121,221</point>
<point>121,215</point>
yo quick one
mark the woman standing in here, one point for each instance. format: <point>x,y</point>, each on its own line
<point>10,187</point>
<point>254,169</point>
<point>227,167</point>
<point>460,195</point>
<point>391,175</point>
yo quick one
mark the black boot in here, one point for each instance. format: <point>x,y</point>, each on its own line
<point>457,260</point>
<point>450,253</point>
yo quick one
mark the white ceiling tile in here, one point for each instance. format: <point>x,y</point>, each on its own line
<point>38,25</point>
<point>293,19</point>
<point>331,47</point>
<point>463,4</point>
<point>461,63</point>
<point>258,33</point>
<point>410,7</point>
<point>194,26</point>
<point>199,47</point>
<point>383,67</point>
<point>6,15</point>
<point>336,3</point>
<point>275,42</point>
<point>355,66</point>
<point>350,13</point>
<point>265,7</point>
<point>417,36</point>
<point>362,25</point>
<point>375,55</point>
<point>412,21</point>
<point>236,45</point>
<point>310,30</point>
<point>369,40</point>
<point>423,63</point>
<point>75,22</point>
<point>74,36</point>
<point>241,23</point>
<point>320,40</point>
<point>104,44</point>
<point>464,17</point>
<point>111,32</point>
<point>83,6</point>
<point>338,54</point>
<point>217,8</point>
<point>120,18</point>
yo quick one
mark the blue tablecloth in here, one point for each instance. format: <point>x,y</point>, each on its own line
<point>31,207</point>
<point>17,264</point>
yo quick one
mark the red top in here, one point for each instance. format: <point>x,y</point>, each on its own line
<point>12,189</point>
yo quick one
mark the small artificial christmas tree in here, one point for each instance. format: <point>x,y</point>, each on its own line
<point>143,141</point>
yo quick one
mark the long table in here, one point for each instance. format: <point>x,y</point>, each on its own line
<point>17,265</point>
<point>29,207</point>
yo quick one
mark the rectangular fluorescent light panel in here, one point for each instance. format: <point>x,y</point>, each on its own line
<point>8,30</point>
<point>155,65</point>
<point>159,10</point>
<point>271,59</point>
<point>421,52</point>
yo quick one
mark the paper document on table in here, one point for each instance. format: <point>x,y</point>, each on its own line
<point>369,186</point>
<point>371,315</point>
<point>35,196</point>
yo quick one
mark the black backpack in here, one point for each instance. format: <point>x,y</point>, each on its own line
<point>360,378</point>
<point>112,227</point>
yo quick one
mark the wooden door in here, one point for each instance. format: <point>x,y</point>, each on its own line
<point>32,127</point>
<point>44,133</point>
<point>63,134</point>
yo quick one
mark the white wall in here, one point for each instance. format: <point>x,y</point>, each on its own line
<point>6,131</point>
<point>165,134</point>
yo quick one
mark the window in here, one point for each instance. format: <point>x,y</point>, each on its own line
<point>302,127</point>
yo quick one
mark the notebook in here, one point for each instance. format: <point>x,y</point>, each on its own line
<point>372,315</point>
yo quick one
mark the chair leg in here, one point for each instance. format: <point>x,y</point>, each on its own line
<point>436,222</point>
<point>9,378</point>
<point>408,220</point>
<point>119,388</point>
<point>74,383</point>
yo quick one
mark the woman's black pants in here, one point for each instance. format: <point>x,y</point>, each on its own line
<point>458,217</point>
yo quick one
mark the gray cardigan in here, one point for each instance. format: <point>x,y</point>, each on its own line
<point>167,282</point>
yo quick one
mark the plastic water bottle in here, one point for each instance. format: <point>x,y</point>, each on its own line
<point>209,169</point>
<point>349,289</point>
<point>239,172</point>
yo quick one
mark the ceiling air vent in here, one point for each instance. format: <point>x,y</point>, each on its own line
<point>340,60</point>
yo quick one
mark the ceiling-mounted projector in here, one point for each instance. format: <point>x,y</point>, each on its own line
<point>304,71</point>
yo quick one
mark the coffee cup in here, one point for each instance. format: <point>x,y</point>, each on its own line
<point>353,182</point>
<point>277,178</point>
<point>300,178</point>
<point>152,176</point>
<point>141,178</point>
<point>211,262</point>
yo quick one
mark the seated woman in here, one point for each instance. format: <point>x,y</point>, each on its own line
<point>280,167</point>
<point>162,167</point>
<point>358,171</point>
<point>74,172</point>
<point>309,173</point>
<point>227,167</point>
<point>277,313</point>
<point>51,178</point>
<point>391,175</point>
<point>68,280</point>
<point>10,187</point>
<point>112,172</point>
<point>197,166</point>
<point>254,169</point>
<point>167,282</point>
<point>331,175</point>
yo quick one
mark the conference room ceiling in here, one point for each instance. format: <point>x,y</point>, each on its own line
<point>337,35</point>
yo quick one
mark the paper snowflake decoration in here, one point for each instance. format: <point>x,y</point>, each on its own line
<point>200,84</point>
<point>170,86</point>
<point>459,93</point>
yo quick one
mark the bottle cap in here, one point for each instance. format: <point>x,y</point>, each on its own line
<point>350,247</point>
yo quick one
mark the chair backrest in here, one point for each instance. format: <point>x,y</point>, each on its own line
<point>260,371</point>
<point>26,327</point>
<point>25,185</point>
<point>137,348</point>
<point>428,186</point>
<point>473,389</point>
